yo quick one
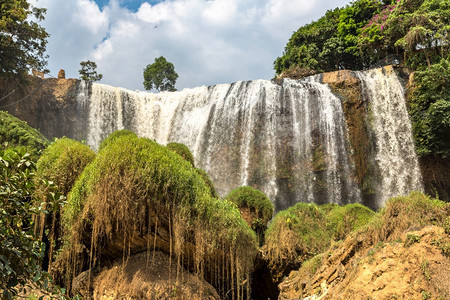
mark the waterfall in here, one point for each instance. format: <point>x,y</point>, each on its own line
<point>289,140</point>
<point>395,156</point>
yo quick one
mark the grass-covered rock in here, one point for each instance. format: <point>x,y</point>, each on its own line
<point>182,150</point>
<point>255,208</point>
<point>17,133</point>
<point>139,196</point>
<point>306,229</point>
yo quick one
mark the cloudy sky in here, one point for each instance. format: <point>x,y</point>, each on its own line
<point>208,41</point>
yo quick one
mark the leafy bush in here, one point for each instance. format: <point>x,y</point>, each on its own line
<point>136,179</point>
<point>182,150</point>
<point>21,253</point>
<point>341,220</point>
<point>17,133</point>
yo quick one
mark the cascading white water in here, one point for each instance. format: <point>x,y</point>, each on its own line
<point>288,140</point>
<point>395,157</point>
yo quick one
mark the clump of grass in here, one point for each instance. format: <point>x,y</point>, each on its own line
<point>182,150</point>
<point>17,133</point>
<point>133,188</point>
<point>255,207</point>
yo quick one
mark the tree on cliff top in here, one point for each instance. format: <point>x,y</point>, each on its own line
<point>22,40</point>
<point>88,71</point>
<point>160,75</point>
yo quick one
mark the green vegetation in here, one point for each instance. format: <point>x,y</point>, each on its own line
<point>430,110</point>
<point>305,230</point>
<point>17,133</point>
<point>160,75</point>
<point>21,253</point>
<point>368,31</point>
<point>110,138</point>
<point>88,71</point>
<point>62,162</point>
<point>183,151</point>
<point>208,182</point>
<point>156,188</point>
<point>22,39</point>
<point>401,213</point>
<point>255,208</point>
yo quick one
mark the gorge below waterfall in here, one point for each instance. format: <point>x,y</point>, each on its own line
<point>296,140</point>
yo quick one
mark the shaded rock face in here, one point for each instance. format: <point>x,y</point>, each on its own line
<point>49,105</point>
<point>320,139</point>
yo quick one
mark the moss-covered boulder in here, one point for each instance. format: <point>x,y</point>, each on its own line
<point>255,208</point>
<point>116,134</point>
<point>341,220</point>
<point>17,133</point>
<point>182,150</point>
<point>139,196</point>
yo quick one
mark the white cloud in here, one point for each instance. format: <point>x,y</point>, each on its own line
<point>209,41</point>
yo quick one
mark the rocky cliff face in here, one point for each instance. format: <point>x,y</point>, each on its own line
<point>49,105</point>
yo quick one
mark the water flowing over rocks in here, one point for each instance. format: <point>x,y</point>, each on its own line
<point>339,137</point>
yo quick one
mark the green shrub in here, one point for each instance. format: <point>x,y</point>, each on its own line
<point>17,133</point>
<point>110,138</point>
<point>182,150</point>
<point>341,220</point>
<point>135,186</point>
<point>62,162</point>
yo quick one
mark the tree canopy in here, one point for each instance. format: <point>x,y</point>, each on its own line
<point>160,75</point>
<point>88,71</point>
<point>369,32</point>
<point>22,40</point>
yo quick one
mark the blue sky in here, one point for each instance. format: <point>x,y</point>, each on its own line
<point>208,41</point>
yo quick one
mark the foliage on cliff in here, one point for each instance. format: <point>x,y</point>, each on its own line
<point>22,39</point>
<point>136,179</point>
<point>368,32</point>
<point>17,133</point>
<point>430,109</point>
